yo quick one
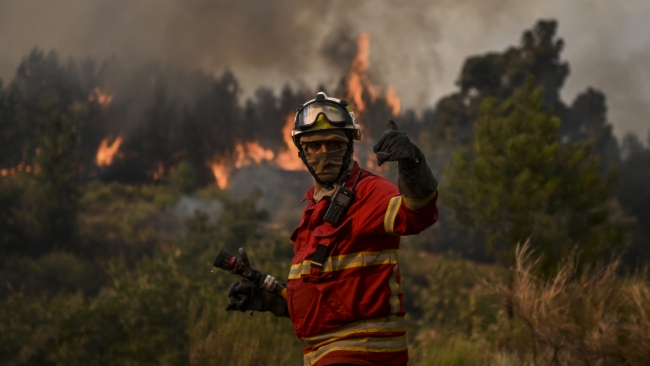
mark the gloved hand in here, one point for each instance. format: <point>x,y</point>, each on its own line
<point>394,145</point>
<point>246,296</point>
<point>415,178</point>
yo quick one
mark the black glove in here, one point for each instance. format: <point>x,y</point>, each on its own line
<point>246,296</point>
<point>415,178</point>
<point>394,145</point>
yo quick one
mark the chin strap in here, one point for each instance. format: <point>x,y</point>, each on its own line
<point>347,160</point>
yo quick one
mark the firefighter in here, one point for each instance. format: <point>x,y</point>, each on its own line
<point>343,291</point>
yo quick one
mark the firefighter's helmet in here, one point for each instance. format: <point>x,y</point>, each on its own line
<point>324,113</point>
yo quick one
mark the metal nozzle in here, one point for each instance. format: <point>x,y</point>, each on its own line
<point>225,260</point>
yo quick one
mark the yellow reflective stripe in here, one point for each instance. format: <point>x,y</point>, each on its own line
<point>417,203</point>
<point>392,324</point>
<point>391,214</point>
<point>361,259</point>
<point>297,272</point>
<point>394,292</point>
<point>294,272</point>
<point>346,261</point>
<point>367,344</point>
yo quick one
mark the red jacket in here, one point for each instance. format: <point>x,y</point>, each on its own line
<point>351,310</point>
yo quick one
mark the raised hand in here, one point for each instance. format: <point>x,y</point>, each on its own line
<point>394,145</point>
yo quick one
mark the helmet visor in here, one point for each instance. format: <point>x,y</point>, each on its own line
<point>334,113</point>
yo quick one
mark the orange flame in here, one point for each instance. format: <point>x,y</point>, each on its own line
<point>106,152</point>
<point>288,158</point>
<point>102,98</point>
<point>393,101</point>
<point>221,170</point>
<point>358,69</point>
<point>251,152</point>
<point>248,153</point>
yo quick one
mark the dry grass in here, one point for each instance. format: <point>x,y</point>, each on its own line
<point>218,338</point>
<point>589,318</point>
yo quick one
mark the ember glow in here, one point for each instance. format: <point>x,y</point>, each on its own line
<point>159,173</point>
<point>102,98</point>
<point>22,167</point>
<point>106,151</point>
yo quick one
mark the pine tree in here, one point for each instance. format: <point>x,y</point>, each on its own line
<point>56,192</point>
<point>520,182</point>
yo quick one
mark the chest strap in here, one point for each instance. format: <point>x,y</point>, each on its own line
<point>319,256</point>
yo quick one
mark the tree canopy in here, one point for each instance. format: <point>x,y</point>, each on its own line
<point>519,182</point>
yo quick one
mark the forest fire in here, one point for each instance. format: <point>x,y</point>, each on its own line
<point>106,151</point>
<point>361,94</point>
<point>359,86</point>
<point>250,153</point>
<point>245,154</point>
<point>357,79</point>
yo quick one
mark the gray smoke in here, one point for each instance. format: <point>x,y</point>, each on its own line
<point>417,47</point>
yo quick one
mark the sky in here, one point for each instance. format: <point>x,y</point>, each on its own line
<point>417,47</point>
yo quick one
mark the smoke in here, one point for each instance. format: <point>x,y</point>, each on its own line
<point>416,47</point>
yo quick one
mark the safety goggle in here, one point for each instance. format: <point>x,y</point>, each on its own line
<point>335,114</point>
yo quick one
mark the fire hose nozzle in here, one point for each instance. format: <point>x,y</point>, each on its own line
<point>242,267</point>
<point>225,261</point>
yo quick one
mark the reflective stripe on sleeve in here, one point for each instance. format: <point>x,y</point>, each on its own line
<point>391,214</point>
<point>346,261</point>
<point>395,305</point>
<point>366,344</point>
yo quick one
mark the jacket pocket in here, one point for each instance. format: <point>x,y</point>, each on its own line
<point>315,309</point>
<point>365,295</point>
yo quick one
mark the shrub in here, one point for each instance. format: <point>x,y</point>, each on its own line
<point>588,318</point>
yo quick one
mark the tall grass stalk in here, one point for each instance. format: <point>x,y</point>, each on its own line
<point>589,318</point>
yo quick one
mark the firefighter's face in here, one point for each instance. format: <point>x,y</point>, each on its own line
<point>325,150</point>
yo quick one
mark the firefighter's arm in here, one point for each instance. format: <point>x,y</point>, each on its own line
<point>386,210</point>
<point>416,208</point>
